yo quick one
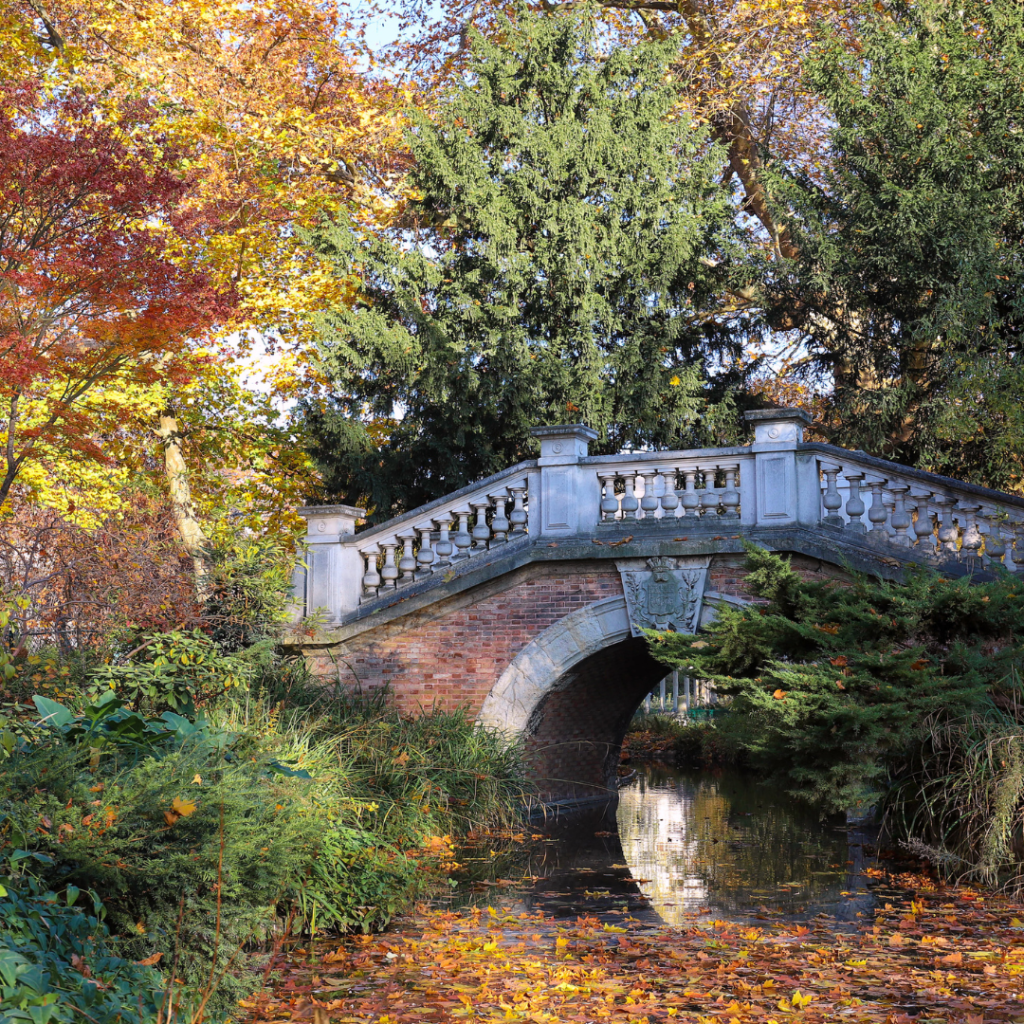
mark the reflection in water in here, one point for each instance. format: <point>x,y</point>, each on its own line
<point>680,843</point>
<point>721,841</point>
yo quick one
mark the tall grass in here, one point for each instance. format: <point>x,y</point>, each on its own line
<point>960,801</point>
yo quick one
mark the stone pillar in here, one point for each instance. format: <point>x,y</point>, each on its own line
<point>787,485</point>
<point>329,577</point>
<point>570,499</point>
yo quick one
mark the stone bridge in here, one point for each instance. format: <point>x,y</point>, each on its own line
<point>522,596</point>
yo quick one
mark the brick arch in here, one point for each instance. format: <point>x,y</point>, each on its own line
<point>570,694</point>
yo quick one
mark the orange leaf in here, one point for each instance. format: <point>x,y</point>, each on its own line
<point>150,960</point>
<point>780,694</point>
<point>183,808</point>
<point>840,662</point>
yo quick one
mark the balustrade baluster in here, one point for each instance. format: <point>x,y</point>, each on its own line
<point>425,556</point>
<point>444,547</point>
<point>731,496</point>
<point>462,539</point>
<point>609,503</point>
<point>947,532</point>
<point>481,531</point>
<point>518,515</point>
<point>389,572</point>
<point>649,503</point>
<point>709,498</point>
<point>831,498</point>
<point>1016,545</point>
<point>669,498</point>
<point>878,514</point>
<point>499,524</point>
<point>995,546</point>
<point>970,542</point>
<point>371,578</point>
<point>629,503</point>
<point>407,563</point>
<point>900,516</point>
<point>855,504</point>
<point>689,498</point>
<point>924,527</point>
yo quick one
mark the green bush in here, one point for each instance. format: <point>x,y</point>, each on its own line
<point>208,837</point>
<point>56,964</point>
<point>832,685</point>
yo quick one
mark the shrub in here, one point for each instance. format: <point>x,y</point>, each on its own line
<point>207,837</point>
<point>680,742</point>
<point>56,964</point>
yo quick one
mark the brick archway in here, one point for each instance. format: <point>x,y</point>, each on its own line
<point>569,695</point>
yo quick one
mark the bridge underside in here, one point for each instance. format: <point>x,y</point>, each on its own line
<point>574,735</point>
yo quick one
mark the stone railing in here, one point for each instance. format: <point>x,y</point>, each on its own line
<point>477,522</point>
<point>917,514</point>
<point>779,482</point>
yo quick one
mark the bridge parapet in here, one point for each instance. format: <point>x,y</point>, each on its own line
<point>637,502</point>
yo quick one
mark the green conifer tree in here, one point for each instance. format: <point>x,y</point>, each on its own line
<point>565,242</point>
<point>909,283</point>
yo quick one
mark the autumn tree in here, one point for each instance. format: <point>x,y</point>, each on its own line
<point>908,269</point>
<point>272,125</point>
<point>91,305</point>
<point>564,236</point>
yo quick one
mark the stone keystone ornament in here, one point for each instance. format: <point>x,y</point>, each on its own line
<point>664,593</point>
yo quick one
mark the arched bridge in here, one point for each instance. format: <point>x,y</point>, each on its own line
<point>521,597</point>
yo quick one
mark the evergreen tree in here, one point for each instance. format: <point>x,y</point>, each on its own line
<point>565,237</point>
<point>909,283</point>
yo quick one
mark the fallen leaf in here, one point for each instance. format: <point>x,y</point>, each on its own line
<point>780,694</point>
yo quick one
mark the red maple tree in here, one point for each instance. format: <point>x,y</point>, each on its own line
<point>90,299</point>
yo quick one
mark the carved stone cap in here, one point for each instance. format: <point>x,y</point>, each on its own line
<point>564,443</point>
<point>331,520</point>
<point>775,426</point>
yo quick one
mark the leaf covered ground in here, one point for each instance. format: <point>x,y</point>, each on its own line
<point>928,955</point>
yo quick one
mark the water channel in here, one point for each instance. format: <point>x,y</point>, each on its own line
<point>686,843</point>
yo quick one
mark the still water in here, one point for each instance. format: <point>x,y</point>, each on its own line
<point>683,843</point>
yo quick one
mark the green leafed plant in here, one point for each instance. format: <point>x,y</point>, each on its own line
<point>56,965</point>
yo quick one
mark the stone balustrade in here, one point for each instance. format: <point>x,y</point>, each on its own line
<point>920,514</point>
<point>567,502</point>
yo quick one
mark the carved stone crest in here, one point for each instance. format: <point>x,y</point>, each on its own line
<point>664,593</point>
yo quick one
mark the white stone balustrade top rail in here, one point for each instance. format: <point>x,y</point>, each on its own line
<point>777,482</point>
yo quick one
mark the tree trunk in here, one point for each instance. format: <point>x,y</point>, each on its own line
<point>190,530</point>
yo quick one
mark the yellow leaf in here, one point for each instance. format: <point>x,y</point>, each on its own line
<point>699,644</point>
<point>183,807</point>
<point>197,779</point>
